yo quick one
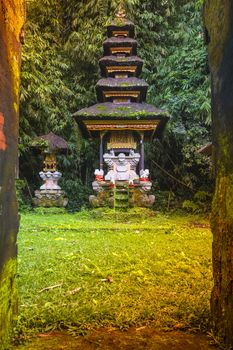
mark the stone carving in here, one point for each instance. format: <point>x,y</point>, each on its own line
<point>50,193</point>
<point>50,198</point>
<point>146,186</point>
<point>50,180</point>
<point>103,198</point>
<point>99,175</point>
<point>96,186</point>
<point>144,180</point>
<point>145,200</point>
<point>144,175</point>
<point>121,167</point>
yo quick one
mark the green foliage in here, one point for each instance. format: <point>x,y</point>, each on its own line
<point>166,201</point>
<point>43,88</point>
<point>171,43</point>
<point>77,192</point>
<point>201,203</point>
<point>23,197</point>
<point>156,279</point>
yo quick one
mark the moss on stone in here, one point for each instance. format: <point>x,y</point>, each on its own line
<point>101,108</point>
<point>133,110</point>
<point>8,301</point>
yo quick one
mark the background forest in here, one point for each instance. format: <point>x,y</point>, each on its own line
<point>60,69</point>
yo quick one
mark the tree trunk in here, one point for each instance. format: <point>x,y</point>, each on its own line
<point>218,18</point>
<point>12,16</point>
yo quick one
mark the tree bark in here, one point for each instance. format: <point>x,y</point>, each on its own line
<point>12,17</point>
<point>218,19</point>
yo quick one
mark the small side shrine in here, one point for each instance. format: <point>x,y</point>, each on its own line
<point>122,122</point>
<point>50,193</point>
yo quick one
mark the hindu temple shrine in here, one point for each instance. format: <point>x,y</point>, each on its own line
<point>121,121</point>
<point>50,193</point>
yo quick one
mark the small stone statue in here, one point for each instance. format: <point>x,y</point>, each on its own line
<point>144,175</point>
<point>99,175</point>
<point>121,167</point>
<point>50,180</point>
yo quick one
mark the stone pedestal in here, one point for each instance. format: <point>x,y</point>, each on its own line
<point>50,193</point>
<point>50,198</point>
<point>122,186</point>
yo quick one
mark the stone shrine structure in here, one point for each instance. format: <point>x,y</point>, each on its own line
<point>122,122</point>
<point>50,193</point>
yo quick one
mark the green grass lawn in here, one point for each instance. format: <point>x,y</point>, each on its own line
<point>107,270</point>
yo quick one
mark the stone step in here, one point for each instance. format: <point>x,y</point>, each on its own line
<point>121,206</point>
<point>122,199</point>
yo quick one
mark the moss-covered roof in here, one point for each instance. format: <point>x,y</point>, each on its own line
<point>50,142</point>
<point>111,110</point>
<point>120,24</point>
<point>121,60</point>
<point>122,112</point>
<point>120,40</point>
<point>121,84</point>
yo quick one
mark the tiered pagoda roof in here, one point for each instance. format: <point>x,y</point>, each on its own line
<point>111,65</point>
<point>120,93</point>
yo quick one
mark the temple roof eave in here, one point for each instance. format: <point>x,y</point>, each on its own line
<point>121,60</point>
<point>122,83</point>
<point>115,45</point>
<point>126,110</point>
<point>120,87</point>
<point>132,113</point>
<point>92,127</point>
<point>119,41</point>
<point>129,64</point>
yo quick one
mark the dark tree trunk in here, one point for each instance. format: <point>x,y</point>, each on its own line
<point>218,18</point>
<point>12,15</point>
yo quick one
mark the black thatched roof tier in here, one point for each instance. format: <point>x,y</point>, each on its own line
<point>108,63</point>
<point>121,85</point>
<point>132,112</point>
<point>111,46</point>
<point>120,25</point>
<point>50,143</point>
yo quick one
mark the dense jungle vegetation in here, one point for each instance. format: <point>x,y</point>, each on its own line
<point>60,69</point>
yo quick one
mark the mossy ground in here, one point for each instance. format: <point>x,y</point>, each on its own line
<point>113,270</point>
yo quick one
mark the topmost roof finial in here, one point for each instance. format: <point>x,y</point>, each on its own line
<point>121,12</point>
